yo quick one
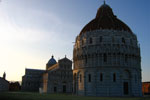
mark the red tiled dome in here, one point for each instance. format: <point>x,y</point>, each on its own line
<point>105,19</point>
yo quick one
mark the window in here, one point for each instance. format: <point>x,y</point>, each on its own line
<point>114,77</point>
<point>91,41</point>
<point>123,40</point>
<point>101,77</point>
<point>100,39</point>
<point>89,77</point>
<point>105,57</point>
<point>80,78</point>
<point>126,58</point>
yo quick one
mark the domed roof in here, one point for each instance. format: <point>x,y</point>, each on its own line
<point>52,61</point>
<point>105,19</point>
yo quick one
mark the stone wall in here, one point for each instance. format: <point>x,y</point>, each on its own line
<point>108,52</point>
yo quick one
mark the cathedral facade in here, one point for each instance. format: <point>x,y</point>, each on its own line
<point>106,57</point>
<point>57,78</point>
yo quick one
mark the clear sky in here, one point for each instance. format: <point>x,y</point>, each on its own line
<point>32,30</point>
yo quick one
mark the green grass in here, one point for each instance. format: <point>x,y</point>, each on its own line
<point>37,96</point>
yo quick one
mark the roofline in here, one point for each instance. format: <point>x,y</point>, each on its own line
<point>35,69</point>
<point>4,79</point>
<point>65,58</point>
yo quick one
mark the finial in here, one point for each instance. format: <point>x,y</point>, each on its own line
<point>65,56</point>
<point>52,56</point>
<point>104,2</point>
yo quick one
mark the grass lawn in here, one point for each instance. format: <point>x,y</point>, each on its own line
<point>37,96</point>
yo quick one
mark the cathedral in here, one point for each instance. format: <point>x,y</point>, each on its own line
<point>106,56</point>
<point>57,78</point>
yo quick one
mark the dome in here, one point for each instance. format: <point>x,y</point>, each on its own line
<point>105,19</point>
<point>52,61</point>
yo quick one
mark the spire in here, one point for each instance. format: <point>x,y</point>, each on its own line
<point>4,75</point>
<point>65,56</point>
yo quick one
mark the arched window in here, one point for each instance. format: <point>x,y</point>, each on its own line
<point>89,78</point>
<point>123,40</point>
<point>114,77</point>
<point>101,77</point>
<point>100,39</point>
<point>105,57</point>
<point>80,78</point>
<point>90,41</point>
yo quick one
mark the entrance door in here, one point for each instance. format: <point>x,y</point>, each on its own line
<point>64,88</point>
<point>126,88</point>
<point>55,89</point>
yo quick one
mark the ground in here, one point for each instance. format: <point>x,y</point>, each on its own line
<point>37,96</point>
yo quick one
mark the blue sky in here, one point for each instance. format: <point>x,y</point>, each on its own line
<point>32,30</point>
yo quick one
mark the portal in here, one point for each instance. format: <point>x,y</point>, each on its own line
<point>126,88</point>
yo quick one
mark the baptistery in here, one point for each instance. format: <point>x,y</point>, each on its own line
<point>106,58</point>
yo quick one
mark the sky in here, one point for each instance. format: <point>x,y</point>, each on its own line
<point>31,31</point>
